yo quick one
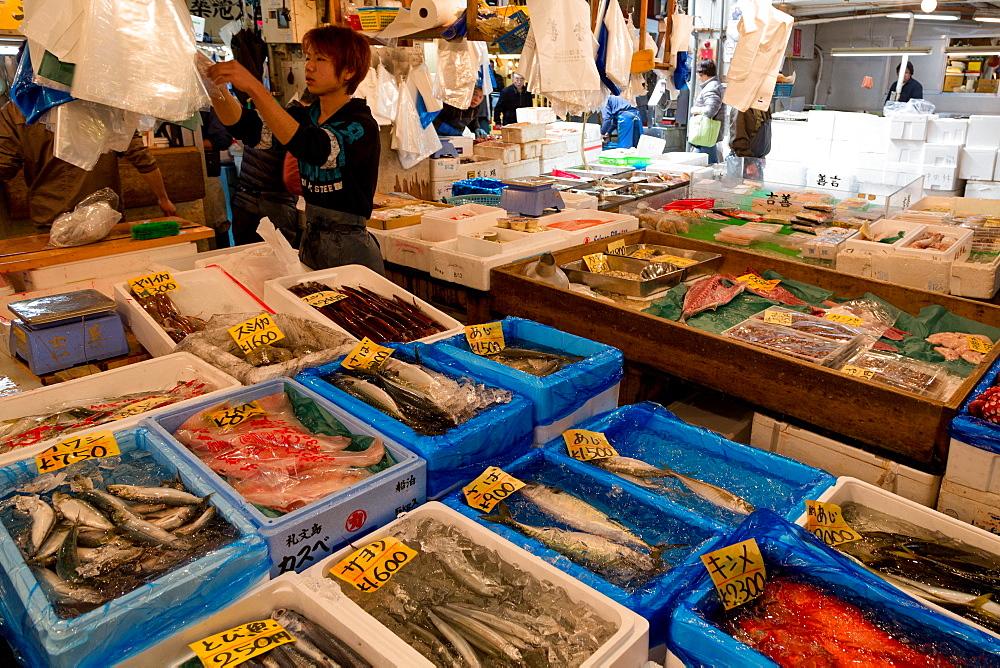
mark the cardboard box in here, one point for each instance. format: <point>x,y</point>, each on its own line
<point>987,85</point>
<point>505,152</point>
<point>402,221</point>
<point>531,150</point>
<point>520,133</point>
<point>951,82</point>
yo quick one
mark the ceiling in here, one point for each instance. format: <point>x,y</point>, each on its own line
<point>804,9</point>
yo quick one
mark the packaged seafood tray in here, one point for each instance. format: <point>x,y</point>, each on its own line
<point>145,614</point>
<point>939,242</point>
<point>520,581</point>
<point>408,247</point>
<point>84,405</point>
<point>816,606</point>
<point>693,263</point>
<point>889,228</point>
<point>447,224</point>
<point>932,210</point>
<point>355,276</point>
<point>791,342</point>
<point>472,269</point>
<point>699,470</point>
<point>624,276</point>
<point>889,522</point>
<point>286,593</point>
<point>287,500</point>
<point>627,544</point>
<point>497,432</point>
<point>558,372</point>
<point>200,293</point>
<point>811,324</point>
<point>902,373</point>
<point>584,226</point>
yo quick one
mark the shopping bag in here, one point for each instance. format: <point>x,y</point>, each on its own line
<point>703,131</point>
<point>642,61</point>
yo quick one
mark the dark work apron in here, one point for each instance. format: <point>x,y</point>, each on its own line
<point>334,238</point>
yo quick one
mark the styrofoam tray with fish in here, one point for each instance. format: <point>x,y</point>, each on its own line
<point>145,615</point>
<point>618,556</point>
<point>152,375</point>
<point>619,277</point>
<point>851,490</point>
<point>857,618</point>
<point>588,225</point>
<point>553,396</point>
<point>495,436</point>
<point>888,227</point>
<point>957,239</point>
<point>300,538</point>
<point>626,648</point>
<point>723,479</point>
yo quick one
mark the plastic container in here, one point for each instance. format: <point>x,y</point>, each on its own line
<point>300,538</point>
<point>472,269</point>
<point>509,241</point>
<point>626,649</point>
<point>376,18</point>
<point>959,250</point>
<point>143,616</point>
<point>903,373</point>
<point>788,341</point>
<point>592,225</point>
<point>974,456</point>
<point>859,246</point>
<point>201,293</point>
<point>407,246</point>
<point>448,224</point>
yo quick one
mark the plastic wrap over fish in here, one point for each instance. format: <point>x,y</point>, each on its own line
<point>635,556</point>
<point>698,469</point>
<point>974,430</point>
<point>818,608</point>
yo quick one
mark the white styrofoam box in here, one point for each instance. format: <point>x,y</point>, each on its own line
<point>201,293</point>
<point>983,189</point>
<point>984,132</point>
<point>592,131</point>
<point>818,149</point>
<point>822,124</point>
<point>977,164</point>
<point>614,223</point>
<point>535,115</point>
<point>957,192</point>
<point>978,280</point>
<point>473,270</point>
<point>859,246</point>
<point>58,275</point>
<point>959,249</point>
<point>406,246</point>
<point>832,174</point>
<point>479,167</point>
<point>510,241</point>
<point>901,173</point>
<point>996,167</point>
<point>449,223</point>
<point>978,508</point>
<point>382,237</point>
<point>840,459</point>
<point>856,264</point>
<point>562,162</point>
<point>374,644</point>
<point>947,131</point>
<point>444,169</point>
<point>520,133</point>
<point>553,148</point>
<point>531,149</point>
<point>973,467</point>
<point>463,145</point>
<point>602,403</point>
<point>578,200</point>
<point>160,373</point>
<point>869,496</point>
<point>899,150</point>
<point>189,262</point>
<point>627,648</point>
<point>439,190</point>
<point>941,178</point>
<point>530,167</point>
<point>909,126</point>
<point>914,271</point>
<point>650,146</point>
<point>844,152</point>
<point>686,158</point>
<point>932,209</point>
<point>875,132</point>
<point>352,275</point>
<point>871,160</point>
<point>941,155</point>
<point>849,125</point>
<point>505,152</point>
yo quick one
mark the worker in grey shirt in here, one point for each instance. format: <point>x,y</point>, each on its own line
<point>709,103</point>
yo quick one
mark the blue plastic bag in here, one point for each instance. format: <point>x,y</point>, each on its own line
<point>477,187</point>
<point>32,99</point>
<point>789,550</point>
<point>976,431</point>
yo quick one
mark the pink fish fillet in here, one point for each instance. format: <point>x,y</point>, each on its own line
<point>709,293</point>
<point>287,494</point>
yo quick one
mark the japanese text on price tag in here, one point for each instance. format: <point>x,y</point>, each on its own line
<point>373,565</point>
<point>138,407</point>
<point>152,284</point>
<point>844,319</point>
<point>643,253</point>
<point>258,331</point>
<point>79,449</point>
<point>485,339</point>
<point>490,488</point>
<point>367,355</point>
<point>858,372</point>
<point>616,245</point>
<point>737,572</point>
<point>826,522</point>
<point>676,261</point>
<point>235,646</point>
<point>977,345</point>
<point>235,415</point>
<point>596,263</point>
<point>324,298</point>
<point>586,445</point>
<point>778,317</point>
<point>755,282</point>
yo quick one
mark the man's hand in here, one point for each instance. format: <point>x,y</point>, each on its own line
<point>168,207</point>
<point>231,72</point>
<point>480,133</point>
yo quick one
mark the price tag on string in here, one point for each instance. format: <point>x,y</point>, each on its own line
<point>258,331</point>
<point>490,488</point>
<point>324,298</point>
<point>79,449</point>
<point>977,345</point>
<point>858,371</point>
<point>617,245</point>
<point>737,571</point>
<point>236,415</point>
<point>485,339</point>
<point>778,317</point>
<point>586,445</point>
<point>844,319</point>
<point>152,284</point>
<point>367,355</point>
<point>138,407</point>
<point>755,282</point>
<point>596,263</point>
<point>373,565</point>
<point>235,646</point>
<point>826,522</point>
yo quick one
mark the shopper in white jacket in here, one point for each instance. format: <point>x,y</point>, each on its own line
<point>709,103</point>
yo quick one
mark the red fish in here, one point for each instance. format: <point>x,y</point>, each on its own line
<point>709,293</point>
<point>779,294</point>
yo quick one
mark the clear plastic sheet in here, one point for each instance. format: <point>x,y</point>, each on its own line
<point>457,69</point>
<point>909,107</point>
<point>84,131</point>
<point>91,220</point>
<point>55,25</point>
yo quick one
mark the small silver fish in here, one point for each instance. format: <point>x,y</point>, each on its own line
<point>713,494</point>
<point>80,512</point>
<point>484,634</point>
<point>145,532</point>
<point>579,514</point>
<point>198,524</point>
<point>41,517</point>
<point>175,518</point>
<point>52,543</point>
<point>66,592</point>
<point>166,495</point>
<point>456,639</point>
<point>629,466</point>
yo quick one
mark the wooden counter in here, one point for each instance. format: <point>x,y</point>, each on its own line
<point>897,421</point>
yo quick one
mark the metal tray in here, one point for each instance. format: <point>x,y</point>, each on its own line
<point>577,272</point>
<point>705,263</point>
<point>45,310</point>
<point>597,171</point>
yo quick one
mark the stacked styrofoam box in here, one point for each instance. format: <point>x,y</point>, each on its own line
<point>787,140</point>
<point>941,166</point>
<point>462,145</point>
<point>904,150</point>
<point>616,223</point>
<point>535,115</point>
<point>983,189</point>
<point>911,127</point>
<point>562,162</point>
<point>479,167</point>
<point>438,191</point>
<point>506,152</point>
<point>553,148</point>
<point>977,164</point>
<point>947,131</point>
<point>531,150</point>
<point>941,155</point>
<point>978,280</point>
<point>406,246</point>
<point>528,167</point>
<point>463,261</point>
<point>924,269</point>
<point>984,132</point>
<point>136,262</point>
<point>449,223</point>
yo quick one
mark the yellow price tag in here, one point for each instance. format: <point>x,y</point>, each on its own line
<point>367,355</point>
<point>373,565</point>
<point>616,245</point>
<point>978,345</point>
<point>676,261</point>
<point>826,522</point>
<point>586,445</point>
<point>491,487</point>
<point>152,284</point>
<point>845,319</point>
<point>138,407</point>
<point>324,298</point>
<point>992,222</point>
<point>238,644</point>
<point>235,415</point>
<point>643,253</point>
<point>596,263</point>
<point>485,339</point>
<point>737,572</point>
<point>858,372</point>
<point>778,317</point>
<point>79,449</point>
<point>755,282</point>
<point>258,331</point>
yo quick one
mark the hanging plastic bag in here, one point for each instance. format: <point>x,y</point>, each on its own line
<point>457,71</point>
<point>33,100</point>
<point>411,141</point>
<point>618,60</point>
<point>387,97</point>
<point>84,131</point>
<point>565,57</point>
<point>368,88</point>
<point>703,131</point>
<point>56,25</point>
<point>91,220</point>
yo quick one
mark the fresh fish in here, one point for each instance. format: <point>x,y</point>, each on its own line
<point>68,560</point>
<point>420,411</point>
<point>713,494</point>
<point>282,658</point>
<point>629,466</point>
<point>107,558</point>
<point>145,508</point>
<point>52,543</point>
<point>368,393</point>
<point>709,293</point>
<point>506,626</point>
<point>301,626</point>
<point>485,636</point>
<point>197,524</point>
<point>577,513</point>
<point>987,611</point>
<point>65,592</point>
<point>94,537</point>
<point>104,502</point>
<point>534,362</point>
<point>455,562</point>
<point>456,639</point>
<point>41,517</point>
<point>80,512</point>
<point>144,532</point>
<point>435,645</point>
<point>176,518</point>
<point>166,495</point>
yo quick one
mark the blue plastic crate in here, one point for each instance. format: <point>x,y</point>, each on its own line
<point>650,432</point>
<point>783,90</point>
<point>485,200</point>
<point>512,41</point>
<point>976,431</point>
<point>301,538</point>
<point>142,617</point>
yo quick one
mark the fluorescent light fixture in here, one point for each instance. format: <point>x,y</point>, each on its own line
<point>973,51</point>
<point>924,17</point>
<point>882,51</point>
<point>6,50</point>
<point>986,17</point>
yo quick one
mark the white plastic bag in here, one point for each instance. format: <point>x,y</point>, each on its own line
<point>457,71</point>
<point>411,141</point>
<point>387,97</point>
<point>618,58</point>
<point>55,25</point>
<point>909,107</point>
<point>420,76</point>
<point>84,131</point>
<point>91,220</point>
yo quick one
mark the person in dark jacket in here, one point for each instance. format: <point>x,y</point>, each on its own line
<point>750,135</point>
<point>912,89</point>
<point>512,98</point>
<point>452,121</point>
